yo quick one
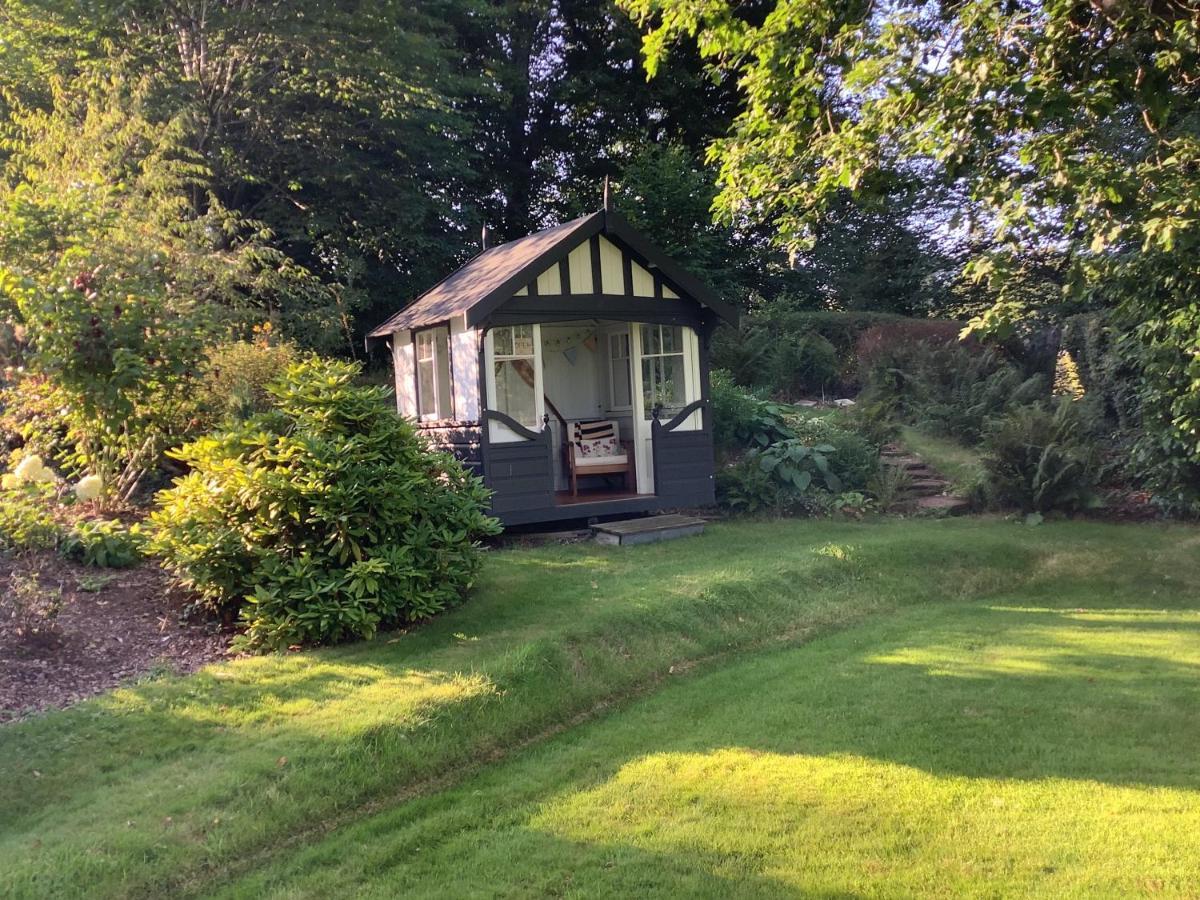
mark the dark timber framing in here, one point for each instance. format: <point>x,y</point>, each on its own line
<point>520,470</point>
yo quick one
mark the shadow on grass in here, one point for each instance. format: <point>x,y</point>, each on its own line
<point>988,748</point>
<point>239,755</point>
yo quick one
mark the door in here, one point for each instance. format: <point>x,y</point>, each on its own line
<point>666,376</point>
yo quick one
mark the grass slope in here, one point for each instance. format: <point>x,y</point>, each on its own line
<point>982,749</point>
<point>182,784</point>
<point>963,466</point>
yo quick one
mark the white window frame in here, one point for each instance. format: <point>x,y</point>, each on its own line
<point>614,340</point>
<point>685,355</point>
<point>443,406</point>
<point>499,432</point>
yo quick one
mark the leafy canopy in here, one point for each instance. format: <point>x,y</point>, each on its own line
<point>1073,125</point>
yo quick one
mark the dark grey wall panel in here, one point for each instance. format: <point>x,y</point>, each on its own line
<point>683,464</point>
<point>520,473</point>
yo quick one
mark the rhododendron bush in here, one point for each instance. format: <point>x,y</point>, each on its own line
<point>325,519</point>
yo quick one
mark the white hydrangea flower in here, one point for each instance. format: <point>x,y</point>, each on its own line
<point>9,482</point>
<point>31,468</point>
<point>89,487</point>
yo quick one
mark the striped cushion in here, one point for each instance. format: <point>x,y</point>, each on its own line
<point>594,431</point>
<point>599,438</point>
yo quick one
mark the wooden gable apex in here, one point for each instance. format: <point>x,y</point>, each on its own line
<point>598,266</point>
<point>607,260</point>
<point>597,260</point>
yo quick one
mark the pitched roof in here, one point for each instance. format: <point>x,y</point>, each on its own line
<point>483,276</point>
<point>499,272</point>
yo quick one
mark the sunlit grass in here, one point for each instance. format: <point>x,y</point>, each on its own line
<point>851,766</point>
<point>184,783</point>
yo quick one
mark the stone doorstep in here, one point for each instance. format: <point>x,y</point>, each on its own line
<point>647,530</point>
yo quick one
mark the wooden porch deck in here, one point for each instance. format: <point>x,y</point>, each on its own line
<point>564,498</point>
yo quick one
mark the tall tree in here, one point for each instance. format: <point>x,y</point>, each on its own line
<point>1075,123</point>
<point>334,126</point>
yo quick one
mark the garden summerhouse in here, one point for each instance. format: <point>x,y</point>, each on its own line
<point>570,369</point>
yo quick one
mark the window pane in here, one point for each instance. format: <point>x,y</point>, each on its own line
<point>663,385</point>
<point>651,340</point>
<point>425,345</point>
<point>621,387</point>
<point>672,339</point>
<point>522,340</point>
<point>426,391</point>
<point>514,390</point>
<point>620,346</point>
<point>503,341</point>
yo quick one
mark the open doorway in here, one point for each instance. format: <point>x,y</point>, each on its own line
<point>588,384</point>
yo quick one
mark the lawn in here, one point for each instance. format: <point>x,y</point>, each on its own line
<point>941,706</point>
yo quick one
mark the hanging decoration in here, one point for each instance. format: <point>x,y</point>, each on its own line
<point>561,340</point>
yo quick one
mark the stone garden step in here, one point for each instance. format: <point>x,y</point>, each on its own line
<point>941,504</point>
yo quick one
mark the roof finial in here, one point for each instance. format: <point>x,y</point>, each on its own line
<point>607,196</point>
<point>484,237</point>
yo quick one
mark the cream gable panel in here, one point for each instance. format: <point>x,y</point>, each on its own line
<point>580,266</point>
<point>549,282</point>
<point>643,282</point>
<point>612,275</point>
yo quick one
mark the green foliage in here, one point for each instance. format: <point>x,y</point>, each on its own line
<point>1041,460</point>
<point>29,608</point>
<point>794,462</point>
<point>743,488</point>
<point>947,389</point>
<point>103,543</point>
<point>853,458</point>
<point>889,485</point>
<point>111,299</point>
<point>235,377</point>
<point>32,420</point>
<point>741,420</point>
<point>325,521</point>
<point>1068,125</point>
<point>786,350</point>
<point>26,521</point>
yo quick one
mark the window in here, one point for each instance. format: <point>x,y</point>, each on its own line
<point>514,377</point>
<point>663,369</point>
<point>433,374</point>
<point>620,388</point>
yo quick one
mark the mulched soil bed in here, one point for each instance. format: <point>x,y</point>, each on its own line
<point>114,626</point>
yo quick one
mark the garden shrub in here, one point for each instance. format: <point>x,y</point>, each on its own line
<point>803,364</point>
<point>793,476</point>
<point>743,488</point>
<point>104,543</point>
<point>949,389</point>
<point>26,521</point>
<point>796,464</point>
<point>785,350</point>
<point>854,458</point>
<point>31,418</point>
<point>324,521</point>
<point>29,608</point>
<point>879,340</point>
<point>757,352</point>
<point>235,376</point>
<point>1040,459</point>
<point>741,420</point>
